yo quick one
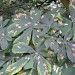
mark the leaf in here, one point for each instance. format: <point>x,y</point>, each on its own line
<point>2,54</point>
<point>35,37</point>
<point>49,66</point>
<point>6,22</point>
<point>74,28</point>
<point>4,44</point>
<point>68,70</point>
<point>4,67</point>
<point>35,15</point>
<point>68,36</point>
<point>70,51</point>
<point>59,16</point>
<point>27,72</point>
<point>44,31</point>
<point>17,66</point>
<point>47,20</point>
<point>42,67</point>
<point>20,23</point>
<point>29,65</point>
<point>52,44</point>
<point>65,29</point>
<point>1,62</point>
<point>25,37</point>
<point>72,12</point>
<point>56,70</point>
<point>42,50</point>
<point>15,29</point>
<point>4,38</point>
<point>22,48</point>
<point>1,21</point>
<point>61,52</point>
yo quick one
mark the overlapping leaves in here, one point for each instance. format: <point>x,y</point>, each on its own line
<point>4,38</point>
<point>27,62</point>
<point>27,23</point>
<point>34,35</point>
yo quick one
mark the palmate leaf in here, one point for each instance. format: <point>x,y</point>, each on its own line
<point>31,62</point>
<point>27,24</point>
<point>22,21</point>
<point>17,66</point>
<point>22,48</point>
<point>34,35</point>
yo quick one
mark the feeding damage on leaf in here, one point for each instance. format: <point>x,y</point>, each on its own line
<point>38,43</point>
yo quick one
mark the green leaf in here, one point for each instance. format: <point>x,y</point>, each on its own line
<point>2,54</point>
<point>70,51</point>
<point>4,44</point>
<point>69,35</point>
<point>49,66</point>
<point>59,16</point>
<point>1,62</point>
<point>6,22</point>
<point>15,29</point>
<point>17,66</point>
<point>25,37</point>
<point>35,15</point>
<point>56,70</point>
<point>52,44</point>
<point>65,29</point>
<point>27,72</point>
<point>35,37</point>
<point>4,38</point>
<point>19,24</point>
<point>4,67</point>
<point>29,65</point>
<point>42,66</point>
<point>1,21</point>
<point>68,70</point>
<point>72,12</point>
<point>22,48</point>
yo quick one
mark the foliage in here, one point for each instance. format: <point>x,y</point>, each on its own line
<point>38,41</point>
